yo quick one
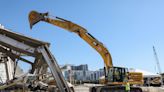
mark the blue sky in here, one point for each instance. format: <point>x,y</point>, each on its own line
<point>128,28</point>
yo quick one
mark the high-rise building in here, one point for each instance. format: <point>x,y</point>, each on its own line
<point>95,75</point>
<point>81,73</point>
<point>80,67</point>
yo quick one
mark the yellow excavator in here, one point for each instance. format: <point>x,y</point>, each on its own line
<point>115,77</point>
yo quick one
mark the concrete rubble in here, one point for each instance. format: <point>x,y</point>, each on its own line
<point>15,47</point>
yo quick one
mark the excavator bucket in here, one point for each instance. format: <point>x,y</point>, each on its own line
<point>35,17</point>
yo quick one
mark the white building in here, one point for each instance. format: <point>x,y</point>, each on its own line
<point>81,73</point>
<point>96,75</point>
<point>7,68</point>
<point>3,76</point>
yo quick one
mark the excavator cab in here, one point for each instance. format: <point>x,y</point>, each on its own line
<point>117,74</point>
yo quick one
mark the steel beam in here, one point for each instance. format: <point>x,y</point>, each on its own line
<point>16,45</point>
<point>55,69</point>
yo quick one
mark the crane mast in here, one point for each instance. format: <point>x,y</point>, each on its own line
<point>157,61</point>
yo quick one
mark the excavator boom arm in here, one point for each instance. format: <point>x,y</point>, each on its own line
<point>35,17</point>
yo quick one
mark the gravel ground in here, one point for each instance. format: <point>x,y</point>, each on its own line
<point>153,89</point>
<point>82,88</point>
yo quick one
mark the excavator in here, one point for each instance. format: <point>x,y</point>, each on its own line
<point>115,77</point>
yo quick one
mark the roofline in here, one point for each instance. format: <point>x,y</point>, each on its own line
<point>22,38</point>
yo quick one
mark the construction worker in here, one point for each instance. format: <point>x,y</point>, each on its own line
<point>127,87</point>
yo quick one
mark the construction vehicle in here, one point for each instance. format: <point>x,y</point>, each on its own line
<point>158,81</point>
<point>114,76</point>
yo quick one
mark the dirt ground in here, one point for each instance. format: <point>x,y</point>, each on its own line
<point>83,88</point>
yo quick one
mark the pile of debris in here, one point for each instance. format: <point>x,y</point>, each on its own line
<point>13,47</point>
